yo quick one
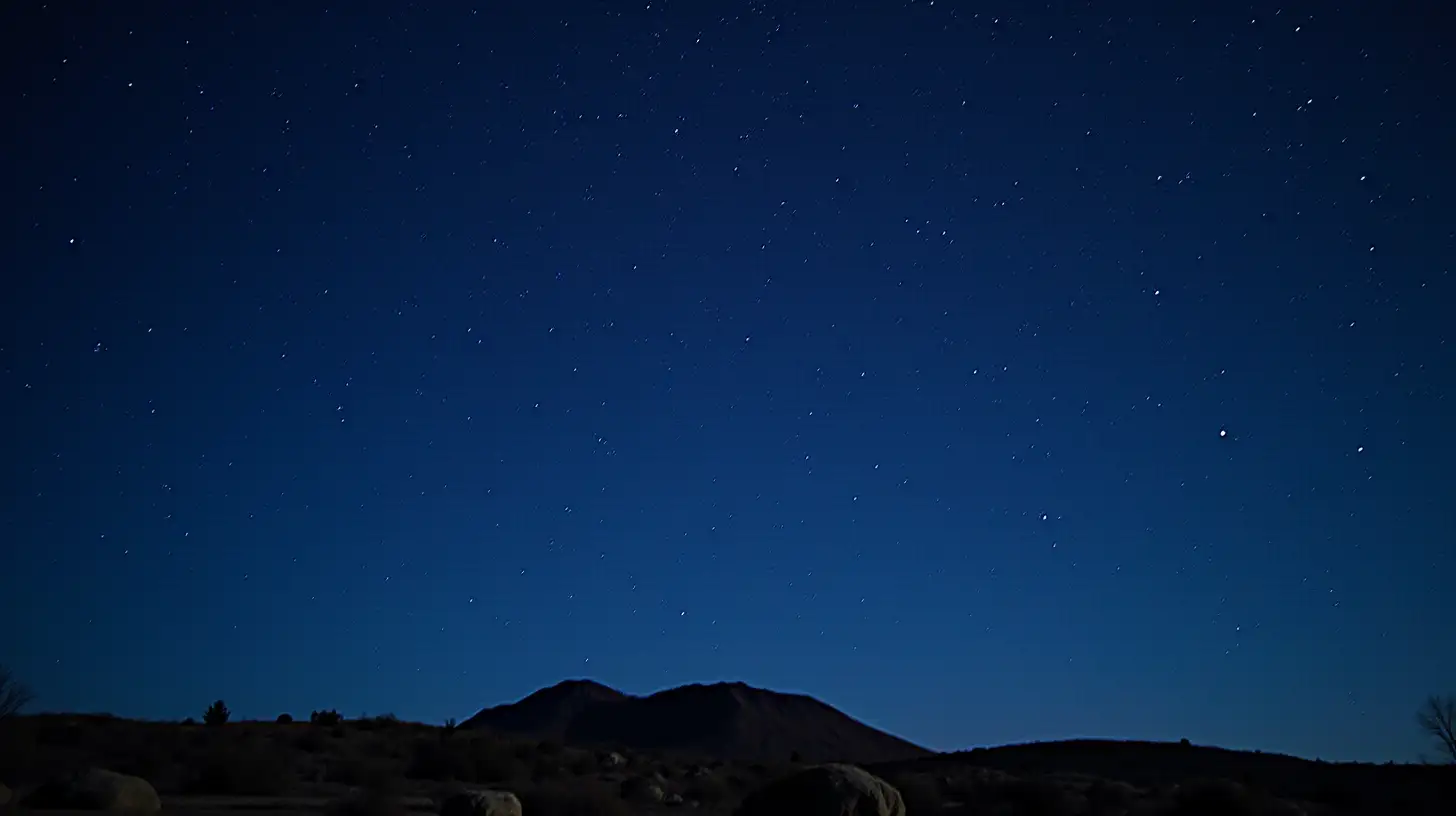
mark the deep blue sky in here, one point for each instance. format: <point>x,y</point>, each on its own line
<point>1001,372</point>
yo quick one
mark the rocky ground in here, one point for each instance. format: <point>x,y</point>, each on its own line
<point>382,767</point>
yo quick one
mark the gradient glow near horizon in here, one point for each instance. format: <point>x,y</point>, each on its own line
<point>992,373</point>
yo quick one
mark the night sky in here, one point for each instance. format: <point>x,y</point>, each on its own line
<point>992,372</point>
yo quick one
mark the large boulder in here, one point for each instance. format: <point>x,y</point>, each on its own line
<point>481,803</point>
<point>96,789</point>
<point>825,790</point>
<point>4,795</point>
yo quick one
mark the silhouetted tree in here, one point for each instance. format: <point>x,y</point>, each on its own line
<point>330,717</point>
<point>285,718</point>
<point>216,714</point>
<point>14,695</point>
<point>1438,719</point>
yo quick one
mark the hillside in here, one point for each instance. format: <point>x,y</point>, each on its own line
<point>723,720</point>
<point>548,712</point>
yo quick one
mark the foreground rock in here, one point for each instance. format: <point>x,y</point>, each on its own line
<point>4,796</point>
<point>643,790</point>
<point>96,789</point>
<point>481,803</point>
<point>825,790</point>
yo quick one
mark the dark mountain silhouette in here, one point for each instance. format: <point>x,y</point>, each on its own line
<point>548,712</point>
<point>721,721</point>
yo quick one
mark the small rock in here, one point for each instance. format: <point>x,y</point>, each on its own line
<point>481,803</point>
<point>643,790</point>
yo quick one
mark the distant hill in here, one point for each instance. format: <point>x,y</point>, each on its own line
<point>730,721</point>
<point>1356,787</point>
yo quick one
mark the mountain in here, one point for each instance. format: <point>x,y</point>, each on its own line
<point>722,721</point>
<point>548,712</point>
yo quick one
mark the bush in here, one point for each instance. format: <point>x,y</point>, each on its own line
<point>325,718</point>
<point>216,714</point>
<point>284,719</point>
<point>377,723</point>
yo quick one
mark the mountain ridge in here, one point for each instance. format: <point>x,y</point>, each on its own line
<point>722,720</point>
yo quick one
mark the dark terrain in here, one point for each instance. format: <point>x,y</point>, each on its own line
<point>580,748</point>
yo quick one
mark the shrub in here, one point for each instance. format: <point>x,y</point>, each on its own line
<point>285,718</point>
<point>325,718</point>
<point>216,714</point>
<point>377,723</point>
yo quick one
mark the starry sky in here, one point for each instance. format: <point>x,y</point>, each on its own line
<point>993,372</point>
